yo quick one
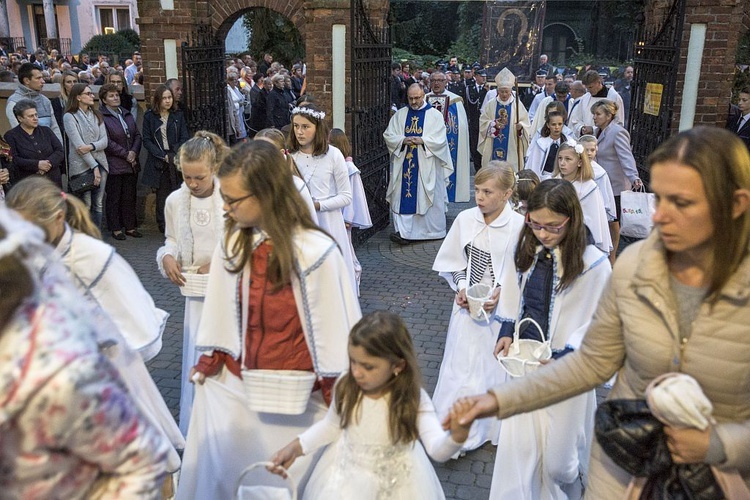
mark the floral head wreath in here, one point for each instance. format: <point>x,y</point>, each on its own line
<point>318,115</point>
<point>577,147</point>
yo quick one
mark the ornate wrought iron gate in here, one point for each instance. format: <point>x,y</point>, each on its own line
<point>370,107</point>
<point>653,90</point>
<point>204,81</point>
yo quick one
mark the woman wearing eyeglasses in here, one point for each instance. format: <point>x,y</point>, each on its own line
<point>87,136</point>
<point>543,454</point>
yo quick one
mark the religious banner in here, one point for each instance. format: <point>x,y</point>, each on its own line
<point>439,102</point>
<point>511,35</point>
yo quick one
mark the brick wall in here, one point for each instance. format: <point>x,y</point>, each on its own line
<point>313,18</point>
<point>726,21</point>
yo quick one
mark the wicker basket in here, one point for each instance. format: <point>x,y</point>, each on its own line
<point>278,391</point>
<point>195,284</point>
<point>525,355</point>
<point>258,490</point>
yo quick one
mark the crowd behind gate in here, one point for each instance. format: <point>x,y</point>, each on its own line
<point>279,364</point>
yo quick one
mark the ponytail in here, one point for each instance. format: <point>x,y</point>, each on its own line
<point>78,217</point>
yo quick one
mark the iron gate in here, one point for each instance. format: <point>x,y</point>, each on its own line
<point>656,62</point>
<point>204,81</point>
<point>370,107</point>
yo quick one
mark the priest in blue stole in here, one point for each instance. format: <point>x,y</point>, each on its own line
<point>503,130</point>
<point>457,133</point>
<point>420,166</point>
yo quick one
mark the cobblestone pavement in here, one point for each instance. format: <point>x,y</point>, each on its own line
<point>394,278</point>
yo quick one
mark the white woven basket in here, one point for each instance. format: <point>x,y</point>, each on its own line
<point>260,491</point>
<point>278,391</point>
<point>525,355</point>
<point>476,296</point>
<point>195,285</point>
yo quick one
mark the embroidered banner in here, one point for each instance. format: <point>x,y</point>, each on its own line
<point>500,142</point>
<point>451,132</point>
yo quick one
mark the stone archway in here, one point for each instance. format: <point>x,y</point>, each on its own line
<point>166,24</point>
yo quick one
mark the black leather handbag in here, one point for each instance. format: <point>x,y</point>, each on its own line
<point>82,183</point>
<point>634,439</point>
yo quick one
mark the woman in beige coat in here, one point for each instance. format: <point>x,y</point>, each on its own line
<point>678,301</point>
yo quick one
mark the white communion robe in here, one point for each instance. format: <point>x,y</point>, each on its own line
<point>356,214</point>
<point>134,325</point>
<point>327,178</point>
<point>486,138</point>
<point>537,157</point>
<point>435,167</point>
<point>458,125</point>
<point>605,187</point>
<point>193,228</point>
<point>594,213</point>
<point>541,454</point>
<point>468,366</point>
<point>225,436</point>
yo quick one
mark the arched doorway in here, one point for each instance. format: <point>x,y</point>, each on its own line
<point>559,42</point>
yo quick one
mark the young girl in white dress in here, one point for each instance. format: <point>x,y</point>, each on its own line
<point>574,166</point>
<point>478,249</point>
<point>377,424</point>
<point>278,139</point>
<point>543,151</point>
<point>543,455</point>
<point>591,147</point>
<point>324,170</point>
<point>194,218</point>
<point>357,213</point>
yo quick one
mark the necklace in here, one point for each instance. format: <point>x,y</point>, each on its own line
<point>306,167</point>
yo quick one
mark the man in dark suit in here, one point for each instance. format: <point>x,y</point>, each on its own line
<point>740,124</point>
<point>474,97</point>
<point>258,105</point>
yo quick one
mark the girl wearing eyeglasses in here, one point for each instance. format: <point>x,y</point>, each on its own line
<point>278,298</point>
<point>543,454</point>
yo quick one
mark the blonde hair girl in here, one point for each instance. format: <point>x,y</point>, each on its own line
<point>477,252</point>
<point>379,412</point>
<point>194,225</point>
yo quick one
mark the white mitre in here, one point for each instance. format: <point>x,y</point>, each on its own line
<point>505,78</point>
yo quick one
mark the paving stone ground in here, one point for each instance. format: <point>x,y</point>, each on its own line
<point>394,278</point>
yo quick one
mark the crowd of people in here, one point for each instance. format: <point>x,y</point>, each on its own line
<point>258,240</point>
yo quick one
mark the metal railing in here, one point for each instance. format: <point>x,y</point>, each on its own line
<point>61,45</point>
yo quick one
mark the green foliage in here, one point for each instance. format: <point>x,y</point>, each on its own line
<point>425,27</point>
<point>469,41</point>
<point>417,61</point>
<point>131,36</point>
<point>582,58</point>
<point>274,33</point>
<point>116,46</point>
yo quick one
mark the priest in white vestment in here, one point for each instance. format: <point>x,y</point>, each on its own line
<point>451,106</point>
<point>501,128</point>
<point>421,164</point>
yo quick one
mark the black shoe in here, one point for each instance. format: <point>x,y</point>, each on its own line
<point>118,236</point>
<point>396,238</point>
<point>133,233</point>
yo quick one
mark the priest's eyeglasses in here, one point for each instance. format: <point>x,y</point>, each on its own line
<point>233,202</point>
<point>550,229</point>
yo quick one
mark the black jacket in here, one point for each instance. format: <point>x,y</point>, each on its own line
<point>278,109</point>
<point>259,105</point>
<point>177,135</point>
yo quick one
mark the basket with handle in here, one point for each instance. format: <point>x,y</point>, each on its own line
<point>278,391</point>
<point>195,284</point>
<point>282,489</point>
<point>476,296</point>
<point>525,355</point>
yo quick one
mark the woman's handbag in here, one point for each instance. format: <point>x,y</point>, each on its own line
<point>637,208</point>
<point>525,355</point>
<point>82,183</point>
